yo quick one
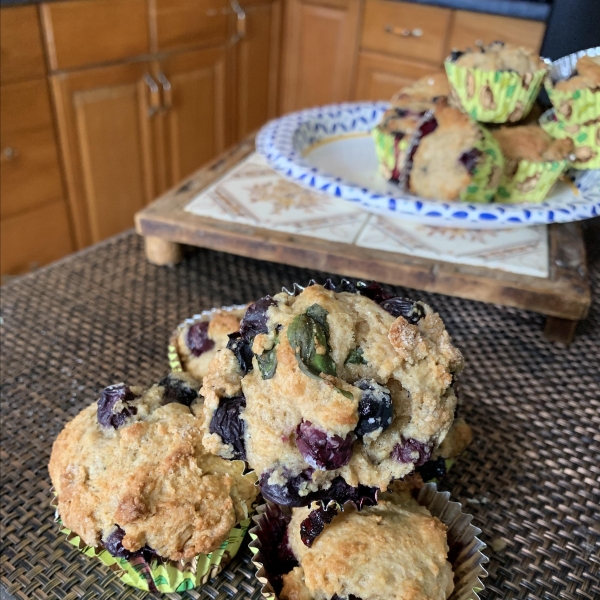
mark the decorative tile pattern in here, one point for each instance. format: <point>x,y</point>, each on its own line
<point>254,194</point>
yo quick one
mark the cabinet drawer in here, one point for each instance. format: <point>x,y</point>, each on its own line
<point>186,23</point>
<point>83,32</point>
<point>471,28</point>
<point>380,77</point>
<point>406,30</point>
<point>30,174</point>
<point>21,44</point>
<point>34,238</point>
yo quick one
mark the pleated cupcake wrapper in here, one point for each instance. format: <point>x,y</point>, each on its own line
<point>488,172</point>
<point>465,552</point>
<point>494,96</point>
<point>159,574</point>
<point>572,107</point>
<point>175,362</point>
<point>531,181</point>
<point>391,152</point>
<point>585,138</point>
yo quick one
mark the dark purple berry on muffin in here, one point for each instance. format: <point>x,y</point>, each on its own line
<point>470,159</point>
<point>375,409</point>
<point>373,290</point>
<point>108,414</point>
<point>412,311</point>
<point>197,339</point>
<point>341,492</point>
<point>433,469</point>
<point>178,389</point>
<point>114,544</point>
<point>285,494</point>
<point>242,350</point>
<point>314,524</point>
<point>227,423</point>
<point>412,451</point>
<point>322,451</point>
<point>455,55</point>
<point>255,319</point>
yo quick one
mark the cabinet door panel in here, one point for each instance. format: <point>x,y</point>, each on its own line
<point>34,238</point>
<point>21,44</point>
<point>380,77</point>
<point>257,67</point>
<point>195,124</point>
<point>29,173</point>
<point>105,129</point>
<point>321,44</point>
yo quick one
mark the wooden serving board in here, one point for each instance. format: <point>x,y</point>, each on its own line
<point>564,296</point>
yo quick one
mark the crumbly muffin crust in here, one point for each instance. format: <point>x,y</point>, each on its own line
<point>220,324</point>
<point>531,142</point>
<point>499,56</point>
<point>587,76</point>
<point>395,550</point>
<point>150,476</point>
<point>426,88</point>
<point>408,365</point>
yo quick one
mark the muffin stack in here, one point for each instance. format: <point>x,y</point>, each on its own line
<point>341,401</point>
<point>333,395</point>
<point>470,139</point>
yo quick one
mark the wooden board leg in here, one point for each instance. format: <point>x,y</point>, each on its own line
<point>560,330</point>
<point>162,252</point>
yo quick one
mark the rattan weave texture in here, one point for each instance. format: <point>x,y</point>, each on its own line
<point>531,478</point>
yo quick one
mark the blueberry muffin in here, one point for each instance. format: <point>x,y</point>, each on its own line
<point>495,83</point>
<point>454,159</point>
<point>585,76</point>
<point>398,124</point>
<point>197,342</point>
<point>499,56</point>
<point>131,474</point>
<point>533,162</point>
<point>394,550</point>
<point>332,388</point>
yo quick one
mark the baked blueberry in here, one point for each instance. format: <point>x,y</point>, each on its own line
<point>227,423</point>
<point>198,340</point>
<point>180,388</point>
<point>375,408</point>
<point>322,451</point>
<point>114,405</point>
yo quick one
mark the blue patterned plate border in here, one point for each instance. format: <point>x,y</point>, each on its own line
<point>285,141</point>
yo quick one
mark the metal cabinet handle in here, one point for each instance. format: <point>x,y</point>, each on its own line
<point>241,21</point>
<point>167,91</point>
<point>402,32</point>
<point>8,153</point>
<point>154,95</point>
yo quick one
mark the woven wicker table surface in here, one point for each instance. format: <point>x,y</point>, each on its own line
<point>531,477</point>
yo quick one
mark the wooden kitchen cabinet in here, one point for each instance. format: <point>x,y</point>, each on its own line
<point>379,76</point>
<point>198,107</point>
<point>106,118</point>
<point>321,41</point>
<point>472,28</point>
<point>257,65</point>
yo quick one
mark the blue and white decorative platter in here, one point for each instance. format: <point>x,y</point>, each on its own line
<point>329,149</point>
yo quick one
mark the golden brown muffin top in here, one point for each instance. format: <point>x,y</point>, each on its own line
<point>531,142</point>
<point>499,56</point>
<point>149,476</point>
<point>394,550</point>
<point>587,75</point>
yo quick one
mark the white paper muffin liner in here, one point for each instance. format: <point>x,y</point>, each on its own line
<point>465,548</point>
<point>175,362</point>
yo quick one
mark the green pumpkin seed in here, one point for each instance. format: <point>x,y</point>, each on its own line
<point>355,357</point>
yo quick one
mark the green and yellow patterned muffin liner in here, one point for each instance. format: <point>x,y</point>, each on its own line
<point>162,575</point>
<point>391,152</point>
<point>494,96</point>
<point>574,107</point>
<point>488,173</point>
<point>585,138</point>
<point>530,181</point>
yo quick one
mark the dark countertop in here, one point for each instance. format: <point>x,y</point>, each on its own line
<point>511,8</point>
<point>530,478</point>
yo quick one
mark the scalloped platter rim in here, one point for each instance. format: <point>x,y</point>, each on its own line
<point>328,149</point>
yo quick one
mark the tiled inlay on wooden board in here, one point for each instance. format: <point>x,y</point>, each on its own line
<point>254,194</point>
